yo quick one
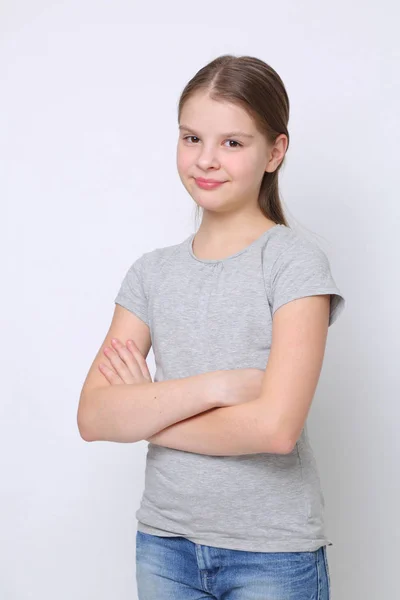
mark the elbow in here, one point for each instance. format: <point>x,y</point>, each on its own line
<point>278,433</point>
<point>283,445</point>
<point>85,437</point>
<point>83,429</point>
<point>280,442</point>
<point>82,420</point>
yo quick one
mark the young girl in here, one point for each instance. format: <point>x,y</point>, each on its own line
<point>238,316</point>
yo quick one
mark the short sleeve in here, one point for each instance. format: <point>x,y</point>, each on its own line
<point>304,270</point>
<point>132,292</point>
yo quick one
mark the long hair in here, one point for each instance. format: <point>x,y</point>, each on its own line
<point>253,85</point>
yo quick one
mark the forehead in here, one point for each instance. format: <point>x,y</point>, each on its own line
<point>205,114</point>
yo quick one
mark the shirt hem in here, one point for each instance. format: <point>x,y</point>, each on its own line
<point>249,545</point>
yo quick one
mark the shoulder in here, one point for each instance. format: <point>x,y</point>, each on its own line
<point>153,264</point>
<point>289,246</point>
<point>155,260</point>
<point>286,240</point>
<point>294,267</point>
<point>145,270</point>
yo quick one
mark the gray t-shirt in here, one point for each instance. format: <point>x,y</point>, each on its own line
<point>206,315</point>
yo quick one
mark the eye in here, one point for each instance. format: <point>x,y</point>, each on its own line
<point>235,142</point>
<point>238,144</point>
<point>190,136</point>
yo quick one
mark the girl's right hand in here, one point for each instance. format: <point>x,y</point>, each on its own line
<point>238,385</point>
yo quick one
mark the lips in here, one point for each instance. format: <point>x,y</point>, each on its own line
<point>208,184</point>
<point>202,180</point>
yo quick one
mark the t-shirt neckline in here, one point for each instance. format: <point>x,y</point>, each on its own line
<point>261,238</point>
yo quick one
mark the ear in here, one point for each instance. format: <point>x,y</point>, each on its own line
<point>277,153</point>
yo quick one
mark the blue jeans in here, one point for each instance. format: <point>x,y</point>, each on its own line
<point>174,568</point>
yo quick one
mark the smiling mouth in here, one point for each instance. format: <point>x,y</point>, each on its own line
<point>205,184</point>
<point>201,180</point>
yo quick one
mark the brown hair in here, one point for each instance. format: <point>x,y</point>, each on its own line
<point>255,86</point>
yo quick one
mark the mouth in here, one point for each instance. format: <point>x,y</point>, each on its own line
<point>208,184</point>
<point>202,180</point>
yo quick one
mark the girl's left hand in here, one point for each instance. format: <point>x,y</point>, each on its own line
<point>128,365</point>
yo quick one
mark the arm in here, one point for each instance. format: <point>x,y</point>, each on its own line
<point>129,412</point>
<point>223,431</point>
<point>132,412</point>
<point>273,421</point>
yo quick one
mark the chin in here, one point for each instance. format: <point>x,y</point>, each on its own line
<point>213,205</point>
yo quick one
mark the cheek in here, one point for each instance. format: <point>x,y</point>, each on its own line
<point>184,160</point>
<point>242,167</point>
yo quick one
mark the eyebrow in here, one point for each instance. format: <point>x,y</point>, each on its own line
<point>232,133</point>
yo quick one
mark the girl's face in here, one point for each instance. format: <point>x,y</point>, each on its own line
<point>219,140</point>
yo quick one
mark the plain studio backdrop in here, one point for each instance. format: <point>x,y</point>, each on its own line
<point>88,116</point>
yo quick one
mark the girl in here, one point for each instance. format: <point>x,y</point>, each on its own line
<point>232,507</point>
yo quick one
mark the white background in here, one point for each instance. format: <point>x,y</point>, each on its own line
<point>88,182</point>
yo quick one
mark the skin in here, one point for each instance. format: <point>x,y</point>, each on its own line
<point>232,218</point>
<point>126,364</point>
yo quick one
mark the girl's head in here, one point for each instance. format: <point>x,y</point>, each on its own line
<point>229,95</point>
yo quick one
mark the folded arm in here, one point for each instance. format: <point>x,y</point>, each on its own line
<point>223,431</point>
<point>272,422</point>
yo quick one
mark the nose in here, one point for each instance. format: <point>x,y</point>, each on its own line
<point>207,158</point>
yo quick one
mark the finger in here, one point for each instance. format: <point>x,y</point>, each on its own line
<point>140,359</point>
<point>128,359</point>
<point>119,365</point>
<point>111,376</point>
